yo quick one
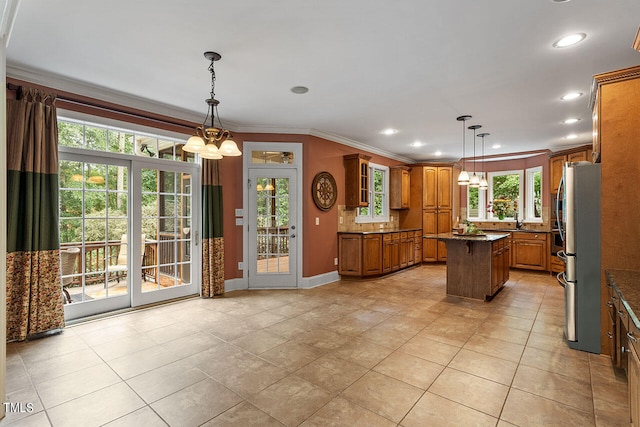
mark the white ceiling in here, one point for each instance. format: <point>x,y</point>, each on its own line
<point>414,65</point>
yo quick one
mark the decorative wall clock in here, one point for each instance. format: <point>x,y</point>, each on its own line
<point>324,191</point>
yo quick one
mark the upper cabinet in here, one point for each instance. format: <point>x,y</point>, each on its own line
<point>356,187</point>
<point>559,158</point>
<point>399,187</point>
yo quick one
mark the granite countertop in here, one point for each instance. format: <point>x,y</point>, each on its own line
<point>628,283</point>
<point>380,231</point>
<point>511,230</point>
<point>488,237</point>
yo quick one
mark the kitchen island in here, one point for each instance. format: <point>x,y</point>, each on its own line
<point>477,265</point>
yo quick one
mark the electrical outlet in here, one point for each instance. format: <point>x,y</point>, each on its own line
<point>239,221</point>
<point>317,221</point>
<point>239,212</point>
<point>335,261</point>
<point>240,265</point>
<point>341,220</point>
<point>381,226</point>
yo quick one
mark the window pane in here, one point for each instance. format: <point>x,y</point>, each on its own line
<point>120,142</point>
<point>96,138</point>
<point>537,194</point>
<point>474,211</point>
<point>378,181</point>
<point>146,146</point>
<point>70,134</point>
<point>506,189</point>
<point>378,205</point>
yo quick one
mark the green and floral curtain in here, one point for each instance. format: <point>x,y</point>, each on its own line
<point>212,236</point>
<point>34,293</point>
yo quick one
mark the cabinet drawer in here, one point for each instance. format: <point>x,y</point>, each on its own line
<point>386,237</point>
<point>403,235</point>
<point>522,235</point>
<point>498,244</point>
<point>395,236</point>
<point>411,234</point>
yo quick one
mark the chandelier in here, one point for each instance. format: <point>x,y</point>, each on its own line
<point>206,138</point>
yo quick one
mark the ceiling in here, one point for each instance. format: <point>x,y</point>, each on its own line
<point>412,65</point>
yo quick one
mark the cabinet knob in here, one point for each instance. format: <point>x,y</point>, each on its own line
<point>621,314</point>
<point>632,337</point>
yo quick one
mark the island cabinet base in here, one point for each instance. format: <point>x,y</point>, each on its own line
<point>477,268</point>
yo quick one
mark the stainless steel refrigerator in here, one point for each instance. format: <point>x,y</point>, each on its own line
<point>580,230</point>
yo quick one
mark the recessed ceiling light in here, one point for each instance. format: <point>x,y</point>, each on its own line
<point>570,121</point>
<point>417,144</point>
<point>438,153</point>
<point>496,146</point>
<point>571,136</point>
<point>390,131</point>
<point>571,95</point>
<point>560,1</point>
<point>299,89</point>
<point>569,40</point>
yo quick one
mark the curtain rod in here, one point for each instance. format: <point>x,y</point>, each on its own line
<point>78,100</point>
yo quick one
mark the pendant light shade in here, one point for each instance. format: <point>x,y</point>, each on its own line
<point>229,148</point>
<point>463,177</point>
<point>195,144</point>
<point>484,185</point>
<point>474,181</point>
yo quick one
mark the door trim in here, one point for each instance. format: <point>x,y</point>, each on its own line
<point>296,149</point>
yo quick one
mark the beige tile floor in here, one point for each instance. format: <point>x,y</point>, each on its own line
<point>385,352</point>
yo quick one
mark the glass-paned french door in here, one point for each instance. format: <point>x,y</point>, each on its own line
<point>272,228</point>
<point>126,231</point>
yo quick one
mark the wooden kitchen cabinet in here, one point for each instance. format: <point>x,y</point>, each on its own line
<point>529,250</point>
<point>356,174</point>
<point>350,254</point>
<point>500,261</point>
<point>437,215</point>
<point>399,187</point>
<point>633,379</point>
<point>559,158</point>
<point>371,254</point>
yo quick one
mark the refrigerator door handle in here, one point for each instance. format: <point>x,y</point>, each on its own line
<point>558,219</point>
<point>562,256</point>
<point>561,279</point>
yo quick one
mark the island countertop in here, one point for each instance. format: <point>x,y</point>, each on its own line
<point>488,237</point>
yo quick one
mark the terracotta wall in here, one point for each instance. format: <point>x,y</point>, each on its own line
<point>320,242</point>
<point>515,164</point>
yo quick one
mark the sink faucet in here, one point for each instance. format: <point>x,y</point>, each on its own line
<point>518,223</point>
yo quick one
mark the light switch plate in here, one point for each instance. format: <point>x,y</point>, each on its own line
<point>317,221</point>
<point>239,212</point>
<point>239,221</point>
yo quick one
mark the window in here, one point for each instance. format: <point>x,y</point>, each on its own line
<point>476,202</point>
<point>533,200</point>
<point>80,134</point>
<point>507,186</point>
<point>378,209</point>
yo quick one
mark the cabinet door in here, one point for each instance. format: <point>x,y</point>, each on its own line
<point>444,226</point>
<point>386,255</point>
<point>580,156</point>
<point>399,188</point>
<point>634,383</point>
<point>555,165</point>
<point>417,248</point>
<point>430,226</point>
<point>445,188</point>
<point>372,254</point>
<point>430,187</point>
<point>350,250</point>
<point>530,254</point>
<point>395,254</point>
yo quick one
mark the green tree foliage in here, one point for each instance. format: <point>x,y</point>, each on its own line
<point>509,187</point>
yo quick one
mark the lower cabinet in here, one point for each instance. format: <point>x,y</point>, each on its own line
<point>529,250</point>
<point>371,250</point>
<point>371,254</point>
<point>633,378</point>
<point>500,261</point>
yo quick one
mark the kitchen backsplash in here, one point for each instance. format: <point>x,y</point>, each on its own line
<point>348,223</point>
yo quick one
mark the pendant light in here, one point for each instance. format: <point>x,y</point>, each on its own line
<point>206,138</point>
<point>463,178</point>
<point>484,185</point>
<point>474,182</point>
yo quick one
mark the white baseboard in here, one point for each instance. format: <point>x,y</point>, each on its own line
<point>319,280</point>
<point>241,284</point>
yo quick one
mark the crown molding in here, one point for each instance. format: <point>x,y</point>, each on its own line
<point>62,83</point>
<point>66,84</point>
